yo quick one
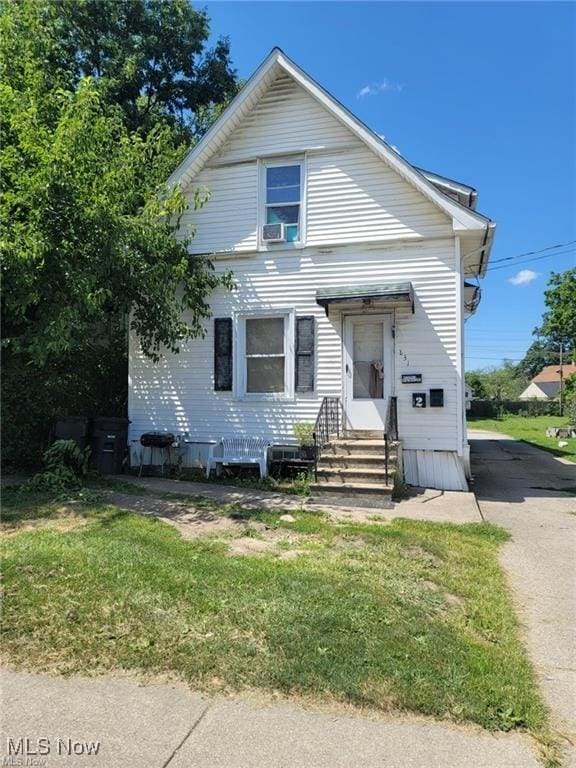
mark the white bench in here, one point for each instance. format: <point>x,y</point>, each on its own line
<point>239,450</point>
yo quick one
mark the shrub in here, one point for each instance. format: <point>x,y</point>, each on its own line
<point>66,466</point>
<point>304,433</point>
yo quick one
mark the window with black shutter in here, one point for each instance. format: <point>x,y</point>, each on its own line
<point>304,363</point>
<point>223,354</point>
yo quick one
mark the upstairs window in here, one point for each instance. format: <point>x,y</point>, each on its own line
<point>283,198</point>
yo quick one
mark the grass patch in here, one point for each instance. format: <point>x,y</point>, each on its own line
<point>530,429</point>
<point>407,615</point>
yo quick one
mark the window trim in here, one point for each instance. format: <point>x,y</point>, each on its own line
<point>240,381</point>
<point>281,162</point>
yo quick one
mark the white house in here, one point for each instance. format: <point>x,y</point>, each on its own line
<point>350,266</point>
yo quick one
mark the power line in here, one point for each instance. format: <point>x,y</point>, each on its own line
<point>528,261</point>
<point>497,359</point>
<point>531,253</point>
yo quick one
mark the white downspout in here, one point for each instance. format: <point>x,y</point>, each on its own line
<point>460,363</point>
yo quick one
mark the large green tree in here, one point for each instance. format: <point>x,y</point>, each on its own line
<point>88,227</point>
<point>150,57</point>
<point>542,352</point>
<point>559,320</point>
<point>558,327</point>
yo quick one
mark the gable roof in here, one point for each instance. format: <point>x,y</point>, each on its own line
<point>552,373</point>
<point>463,217</point>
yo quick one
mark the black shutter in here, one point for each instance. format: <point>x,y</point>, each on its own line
<point>223,354</point>
<point>304,362</point>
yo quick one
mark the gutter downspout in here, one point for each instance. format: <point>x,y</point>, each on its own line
<point>483,246</point>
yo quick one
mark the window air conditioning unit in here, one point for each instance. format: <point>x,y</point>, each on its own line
<point>273,233</point>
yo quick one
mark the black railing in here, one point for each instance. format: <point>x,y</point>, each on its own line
<point>329,425</point>
<point>390,430</point>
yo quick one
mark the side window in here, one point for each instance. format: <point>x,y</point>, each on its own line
<point>265,355</point>
<point>282,201</point>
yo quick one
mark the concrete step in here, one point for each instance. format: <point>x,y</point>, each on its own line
<point>355,475</point>
<point>364,434</point>
<point>352,495</point>
<point>351,447</point>
<point>353,461</point>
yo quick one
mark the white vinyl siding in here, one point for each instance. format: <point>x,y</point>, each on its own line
<point>286,120</point>
<point>228,221</point>
<point>178,394</point>
<point>349,194</point>
<point>361,223</point>
<point>354,197</point>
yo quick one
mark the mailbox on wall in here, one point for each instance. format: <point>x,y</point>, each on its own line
<point>436,398</point>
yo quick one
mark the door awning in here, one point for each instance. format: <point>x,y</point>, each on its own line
<point>367,295</point>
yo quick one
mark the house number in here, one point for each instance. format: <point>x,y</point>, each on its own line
<point>419,399</point>
<point>404,357</point>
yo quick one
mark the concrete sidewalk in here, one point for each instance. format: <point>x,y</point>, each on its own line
<point>166,726</point>
<point>422,503</point>
<point>520,487</point>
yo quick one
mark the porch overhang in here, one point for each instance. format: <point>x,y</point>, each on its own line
<point>373,295</point>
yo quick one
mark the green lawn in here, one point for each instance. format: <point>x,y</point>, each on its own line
<point>404,615</point>
<point>530,429</point>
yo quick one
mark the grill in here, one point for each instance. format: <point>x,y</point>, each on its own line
<point>157,439</point>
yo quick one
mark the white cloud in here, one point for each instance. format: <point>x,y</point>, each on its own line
<point>524,277</point>
<point>373,89</point>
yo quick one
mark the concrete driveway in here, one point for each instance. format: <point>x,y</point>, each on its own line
<point>524,489</point>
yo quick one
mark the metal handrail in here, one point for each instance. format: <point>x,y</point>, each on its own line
<point>329,425</point>
<point>390,430</point>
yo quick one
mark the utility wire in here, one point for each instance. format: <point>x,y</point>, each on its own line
<point>532,253</point>
<point>528,261</point>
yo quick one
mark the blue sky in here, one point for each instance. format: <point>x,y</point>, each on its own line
<point>480,92</point>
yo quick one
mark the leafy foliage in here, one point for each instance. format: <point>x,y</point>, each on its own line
<point>504,383</point>
<point>304,433</point>
<point>559,320</point>
<point>66,466</point>
<point>475,380</point>
<point>540,354</point>
<point>149,57</point>
<point>570,399</point>
<point>89,239</point>
<point>96,100</point>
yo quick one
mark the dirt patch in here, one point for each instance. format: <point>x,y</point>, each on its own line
<point>192,521</point>
<point>265,540</point>
<point>450,597</point>
<point>64,519</point>
<point>242,535</point>
<point>246,545</point>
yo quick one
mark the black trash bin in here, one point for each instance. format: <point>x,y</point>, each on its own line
<point>108,442</point>
<point>75,428</point>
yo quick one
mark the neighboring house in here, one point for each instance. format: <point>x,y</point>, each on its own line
<point>350,266</point>
<point>546,385</point>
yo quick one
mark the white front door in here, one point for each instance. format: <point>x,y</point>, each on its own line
<point>367,370</point>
